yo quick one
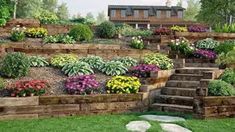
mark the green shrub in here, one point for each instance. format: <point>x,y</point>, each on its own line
<point>106,30</point>
<point>229,76</point>
<point>208,44</point>
<point>15,65</point>
<point>95,62</point>
<point>47,17</point>
<point>38,61</point>
<point>36,32</point>
<point>160,60</point>
<point>226,28</point>
<point>2,22</point>
<point>61,38</point>
<point>60,60</point>
<point>220,88</point>
<point>77,68</point>
<point>18,34</point>
<point>225,47</point>
<point>81,32</point>
<point>129,31</point>
<point>137,43</point>
<point>126,61</point>
<point>123,84</point>
<point>113,68</point>
<point>226,59</point>
<point>2,83</point>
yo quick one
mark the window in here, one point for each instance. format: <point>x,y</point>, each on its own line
<point>113,13</point>
<point>168,14</point>
<point>146,13</point>
<point>123,13</point>
<point>136,13</point>
<point>159,14</point>
<point>180,14</point>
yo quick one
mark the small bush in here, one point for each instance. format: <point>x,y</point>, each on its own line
<point>38,61</point>
<point>15,65</point>
<point>229,76</point>
<point>137,43</point>
<point>81,32</point>
<point>77,68</point>
<point>47,17</point>
<point>179,29</point>
<point>36,32</point>
<point>113,68</point>
<point>61,59</point>
<point>126,61</point>
<point>18,34</point>
<point>208,44</point>
<point>129,31</point>
<point>220,88</point>
<point>61,38</point>
<point>226,28</point>
<point>226,59</point>
<point>143,70</point>
<point>2,22</point>
<point>225,47</point>
<point>95,62</point>
<point>197,28</point>
<point>2,83</point>
<point>123,84</point>
<point>162,31</point>
<point>82,85</point>
<point>160,60</point>
<point>106,30</point>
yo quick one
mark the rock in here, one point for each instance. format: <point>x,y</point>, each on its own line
<point>138,126</point>
<point>166,127</point>
<point>162,118</point>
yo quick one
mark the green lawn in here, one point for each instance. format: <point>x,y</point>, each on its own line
<point>108,123</point>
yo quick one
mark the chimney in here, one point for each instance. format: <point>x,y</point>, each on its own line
<point>168,3</point>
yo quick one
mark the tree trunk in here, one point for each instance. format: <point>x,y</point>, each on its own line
<point>15,6</point>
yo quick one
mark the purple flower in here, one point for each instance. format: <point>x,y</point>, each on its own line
<point>143,70</point>
<point>197,28</point>
<point>200,53</point>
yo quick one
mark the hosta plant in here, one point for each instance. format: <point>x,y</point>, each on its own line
<point>82,85</point>
<point>60,60</point>
<point>220,88</point>
<point>143,70</point>
<point>126,61</point>
<point>77,68</point>
<point>95,62</point>
<point>137,42</point>
<point>208,44</point>
<point>208,54</point>
<point>18,33</point>
<point>38,61</point>
<point>113,68</point>
<point>123,84</point>
<point>29,88</point>
<point>160,60</point>
<point>36,32</point>
<point>61,38</point>
<point>15,65</point>
<point>226,59</point>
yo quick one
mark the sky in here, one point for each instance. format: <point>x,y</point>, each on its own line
<point>95,6</point>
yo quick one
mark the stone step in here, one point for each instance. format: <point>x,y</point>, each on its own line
<point>179,100</point>
<point>194,70</point>
<point>171,108</point>
<point>183,84</point>
<point>201,65</point>
<point>178,91</point>
<point>186,77</point>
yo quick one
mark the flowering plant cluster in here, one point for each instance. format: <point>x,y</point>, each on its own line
<point>18,33</point>
<point>36,32</point>
<point>85,84</point>
<point>137,42</point>
<point>143,70</point>
<point>197,28</point>
<point>28,88</point>
<point>123,84</point>
<point>163,31</point>
<point>179,29</point>
<point>209,54</point>
<point>207,44</point>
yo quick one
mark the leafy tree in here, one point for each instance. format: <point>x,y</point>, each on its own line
<point>90,18</point>
<point>192,10</point>
<point>5,9</point>
<point>50,5</point>
<point>28,8</point>
<point>63,12</point>
<point>217,11</point>
<point>180,3</point>
<point>101,17</point>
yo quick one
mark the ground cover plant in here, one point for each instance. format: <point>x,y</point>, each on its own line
<point>143,70</point>
<point>179,29</point>
<point>38,61</point>
<point>197,28</point>
<point>60,38</point>
<point>126,61</point>
<point>209,54</point>
<point>208,44</point>
<point>95,62</point>
<point>113,68</point>
<point>60,60</point>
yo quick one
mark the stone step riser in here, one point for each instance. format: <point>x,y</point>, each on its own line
<point>200,65</point>
<point>185,78</point>
<point>177,92</point>
<point>190,71</point>
<point>192,85</point>
<point>177,101</point>
<point>170,109</point>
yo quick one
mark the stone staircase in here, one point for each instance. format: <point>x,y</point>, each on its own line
<point>177,95</point>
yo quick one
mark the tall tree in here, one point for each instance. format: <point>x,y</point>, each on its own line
<point>90,17</point>
<point>180,3</point>
<point>28,8</point>
<point>63,12</point>
<point>50,5</point>
<point>217,11</point>
<point>192,10</point>
<point>101,17</point>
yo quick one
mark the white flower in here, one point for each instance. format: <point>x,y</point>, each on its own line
<point>176,43</point>
<point>191,47</point>
<point>172,41</point>
<point>138,41</point>
<point>133,37</point>
<point>177,40</point>
<point>17,25</point>
<point>139,37</point>
<point>183,41</point>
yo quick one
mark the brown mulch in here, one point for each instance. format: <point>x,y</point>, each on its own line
<point>55,78</point>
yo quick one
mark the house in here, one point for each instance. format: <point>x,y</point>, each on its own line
<point>147,16</point>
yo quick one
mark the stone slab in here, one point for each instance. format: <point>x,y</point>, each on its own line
<point>162,118</point>
<point>166,127</point>
<point>138,126</point>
